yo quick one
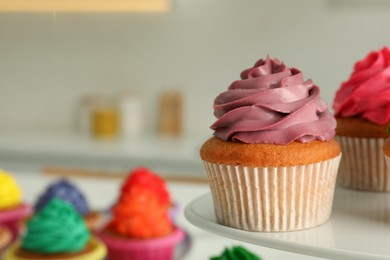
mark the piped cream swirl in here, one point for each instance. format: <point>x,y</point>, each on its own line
<point>272,104</point>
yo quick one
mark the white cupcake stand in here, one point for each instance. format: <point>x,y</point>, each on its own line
<point>359,228</point>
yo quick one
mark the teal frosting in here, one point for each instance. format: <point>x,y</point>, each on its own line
<point>236,253</point>
<point>57,228</point>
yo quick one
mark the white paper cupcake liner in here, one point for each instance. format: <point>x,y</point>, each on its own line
<point>363,166</point>
<point>387,159</point>
<point>273,198</point>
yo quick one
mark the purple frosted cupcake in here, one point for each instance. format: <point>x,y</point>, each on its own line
<point>65,190</point>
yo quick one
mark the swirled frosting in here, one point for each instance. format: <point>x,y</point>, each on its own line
<point>366,93</point>
<point>139,214</point>
<point>57,228</point>
<point>236,252</point>
<point>66,191</point>
<point>145,178</point>
<point>10,194</point>
<point>272,104</point>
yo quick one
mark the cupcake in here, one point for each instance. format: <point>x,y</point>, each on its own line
<point>5,238</point>
<point>141,227</point>
<point>12,210</point>
<point>65,190</point>
<point>144,177</point>
<point>386,149</point>
<point>57,232</point>
<point>236,252</point>
<point>362,111</point>
<point>272,163</point>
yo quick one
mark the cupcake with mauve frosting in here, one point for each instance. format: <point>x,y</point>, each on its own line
<point>12,210</point>
<point>141,228</point>
<point>362,110</point>
<point>67,191</point>
<point>272,163</point>
<point>57,232</point>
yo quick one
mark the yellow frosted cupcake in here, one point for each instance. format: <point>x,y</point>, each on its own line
<point>5,237</point>
<point>12,209</point>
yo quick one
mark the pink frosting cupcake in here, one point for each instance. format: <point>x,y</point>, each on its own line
<point>362,111</point>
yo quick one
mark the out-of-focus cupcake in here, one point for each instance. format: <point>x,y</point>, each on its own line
<point>67,191</point>
<point>272,163</point>
<point>236,252</point>
<point>12,210</point>
<point>5,238</point>
<point>57,232</point>
<point>386,149</point>
<point>141,228</point>
<point>144,177</point>
<point>362,110</point>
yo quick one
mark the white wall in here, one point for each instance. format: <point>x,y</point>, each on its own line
<point>48,61</point>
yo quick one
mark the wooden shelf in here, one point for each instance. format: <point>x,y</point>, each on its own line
<point>84,5</point>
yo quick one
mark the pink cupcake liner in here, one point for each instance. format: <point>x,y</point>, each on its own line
<point>273,199</point>
<point>149,249</point>
<point>363,166</point>
<point>13,218</point>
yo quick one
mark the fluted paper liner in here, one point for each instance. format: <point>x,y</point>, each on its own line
<point>141,249</point>
<point>387,158</point>
<point>363,166</point>
<point>273,198</point>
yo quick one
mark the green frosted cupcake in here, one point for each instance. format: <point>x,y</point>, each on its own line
<point>236,253</point>
<point>57,232</point>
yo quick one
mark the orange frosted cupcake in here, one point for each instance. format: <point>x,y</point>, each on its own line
<point>362,110</point>
<point>272,163</point>
<point>144,177</point>
<point>141,228</point>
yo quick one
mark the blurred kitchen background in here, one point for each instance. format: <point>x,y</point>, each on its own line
<point>99,93</point>
<point>110,90</point>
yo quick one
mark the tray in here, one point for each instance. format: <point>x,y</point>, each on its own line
<point>359,228</point>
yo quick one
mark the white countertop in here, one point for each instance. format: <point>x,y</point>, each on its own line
<point>203,245</point>
<point>26,150</point>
